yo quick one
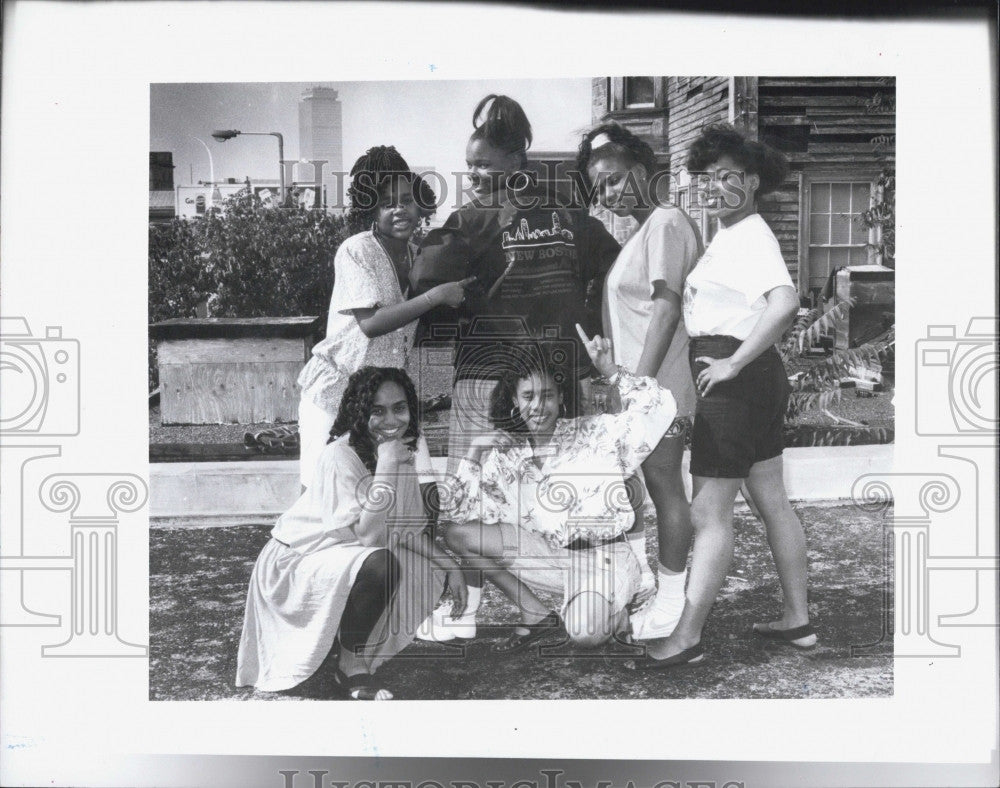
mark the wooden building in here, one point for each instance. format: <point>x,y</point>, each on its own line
<point>837,132</point>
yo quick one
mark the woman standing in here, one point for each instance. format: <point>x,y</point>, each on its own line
<point>737,303</point>
<point>372,319</point>
<point>533,254</point>
<point>535,257</point>
<point>642,317</point>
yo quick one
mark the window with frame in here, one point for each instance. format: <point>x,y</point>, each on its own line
<point>639,92</point>
<point>836,237</point>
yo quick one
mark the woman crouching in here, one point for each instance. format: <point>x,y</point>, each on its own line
<point>349,571</point>
<point>542,504</point>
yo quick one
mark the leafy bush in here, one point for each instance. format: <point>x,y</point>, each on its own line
<point>816,381</point>
<point>178,276</point>
<point>245,260</point>
<point>270,262</point>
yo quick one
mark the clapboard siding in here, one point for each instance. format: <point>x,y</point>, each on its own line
<point>830,125</point>
<point>842,125</point>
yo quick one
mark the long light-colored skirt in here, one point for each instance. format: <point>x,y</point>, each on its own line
<point>295,603</point>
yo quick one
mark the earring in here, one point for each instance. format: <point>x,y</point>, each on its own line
<point>563,410</point>
<point>515,414</point>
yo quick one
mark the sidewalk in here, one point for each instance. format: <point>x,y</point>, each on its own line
<point>198,579</point>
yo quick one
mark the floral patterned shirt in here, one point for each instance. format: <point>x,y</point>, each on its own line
<point>575,487</point>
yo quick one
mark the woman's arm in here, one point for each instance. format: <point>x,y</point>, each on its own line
<point>380,494</point>
<point>782,306</point>
<point>648,407</point>
<point>660,333</point>
<point>378,321</point>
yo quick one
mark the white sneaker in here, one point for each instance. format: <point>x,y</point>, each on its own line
<point>657,619</point>
<point>440,627</point>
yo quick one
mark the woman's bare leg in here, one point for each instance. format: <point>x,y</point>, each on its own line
<point>662,471</point>
<point>481,550</point>
<point>712,518</point>
<point>785,537</point>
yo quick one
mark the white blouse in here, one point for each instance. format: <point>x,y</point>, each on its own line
<point>364,277</point>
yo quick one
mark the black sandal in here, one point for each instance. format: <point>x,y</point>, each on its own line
<point>689,656</point>
<point>361,686</point>
<point>789,636</point>
<point>536,631</point>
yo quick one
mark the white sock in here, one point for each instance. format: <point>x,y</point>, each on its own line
<point>638,545</point>
<point>670,584</point>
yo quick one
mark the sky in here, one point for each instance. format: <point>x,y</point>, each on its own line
<point>429,122</point>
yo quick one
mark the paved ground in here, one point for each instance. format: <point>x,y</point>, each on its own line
<point>198,579</point>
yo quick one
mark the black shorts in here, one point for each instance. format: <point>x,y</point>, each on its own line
<point>741,421</point>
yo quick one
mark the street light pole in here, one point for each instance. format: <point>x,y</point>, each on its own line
<point>227,134</point>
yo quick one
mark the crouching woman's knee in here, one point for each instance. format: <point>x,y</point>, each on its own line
<point>588,620</point>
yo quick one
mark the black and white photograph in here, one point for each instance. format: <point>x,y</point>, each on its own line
<point>484,394</point>
<point>525,299</point>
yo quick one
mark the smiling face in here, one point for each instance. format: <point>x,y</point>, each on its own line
<point>621,187</point>
<point>397,214</point>
<point>538,400</point>
<point>730,192</point>
<point>390,414</point>
<point>489,167</point>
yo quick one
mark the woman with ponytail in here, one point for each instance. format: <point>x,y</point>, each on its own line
<point>373,316</point>
<point>642,317</point>
<point>535,256</point>
<point>738,301</point>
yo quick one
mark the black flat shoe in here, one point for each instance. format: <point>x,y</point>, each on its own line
<point>536,631</point>
<point>789,636</point>
<point>689,656</point>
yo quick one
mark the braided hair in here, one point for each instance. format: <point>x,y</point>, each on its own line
<point>756,158</point>
<point>356,408</point>
<point>379,169</point>
<point>504,125</point>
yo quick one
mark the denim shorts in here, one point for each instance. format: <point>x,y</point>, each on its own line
<point>741,421</point>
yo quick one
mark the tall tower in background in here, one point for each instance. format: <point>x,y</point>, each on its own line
<point>321,131</point>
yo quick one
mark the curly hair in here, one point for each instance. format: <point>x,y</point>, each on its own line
<point>504,413</point>
<point>621,142</point>
<point>373,176</point>
<point>504,125</point>
<point>756,158</point>
<point>356,408</point>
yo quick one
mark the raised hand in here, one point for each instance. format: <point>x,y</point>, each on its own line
<point>599,350</point>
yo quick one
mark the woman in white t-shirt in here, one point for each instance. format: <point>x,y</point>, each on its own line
<point>738,301</point>
<point>642,317</point>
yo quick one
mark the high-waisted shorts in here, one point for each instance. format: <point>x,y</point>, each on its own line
<point>741,421</point>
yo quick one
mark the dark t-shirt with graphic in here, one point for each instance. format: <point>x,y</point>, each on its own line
<point>539,267</point>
